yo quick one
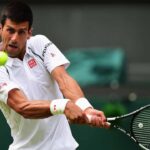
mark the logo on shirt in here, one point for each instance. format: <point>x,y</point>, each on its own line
<point>2,85</point>
<point>54,107</point>
<point>45,48</point>
<point>32,63</point>
<point>52,54</point>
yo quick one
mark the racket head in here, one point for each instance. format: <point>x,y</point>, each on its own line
<point>140,127</point>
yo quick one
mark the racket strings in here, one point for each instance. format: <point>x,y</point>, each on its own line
<point>141,127</point>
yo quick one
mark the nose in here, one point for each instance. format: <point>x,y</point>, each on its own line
<point>14,37</point>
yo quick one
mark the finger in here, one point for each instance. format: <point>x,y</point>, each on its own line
<point>89,118</point>
<point>100,114</point>
<point>107,125</point>
<point>100,123</point>
<point>96,121</point>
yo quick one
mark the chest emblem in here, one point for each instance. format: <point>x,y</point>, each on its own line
<point>32,63</point>
<point>2,85</point>
<point>52,54</point>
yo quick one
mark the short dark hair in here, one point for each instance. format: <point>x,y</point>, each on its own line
<point>18,12</point>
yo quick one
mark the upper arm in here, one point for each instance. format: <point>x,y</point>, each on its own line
<point>48,51</point>
<point>10,92</point>
<point>58,71</point>
<point>60,75</point>
<point>5,85</point>
<point>68,86</point>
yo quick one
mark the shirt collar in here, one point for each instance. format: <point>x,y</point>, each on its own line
<point>10,61</point>
<point>13,62</point>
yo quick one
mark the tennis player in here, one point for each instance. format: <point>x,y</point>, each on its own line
<point>37,96</point>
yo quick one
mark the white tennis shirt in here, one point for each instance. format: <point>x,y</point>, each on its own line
<point>32,75</point>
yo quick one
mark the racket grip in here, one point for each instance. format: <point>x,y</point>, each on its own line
<point>111,119</point>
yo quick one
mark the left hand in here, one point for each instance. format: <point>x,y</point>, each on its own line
<point>97,118</point>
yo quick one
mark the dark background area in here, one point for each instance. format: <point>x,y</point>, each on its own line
<point>124,25</point>
<point>82,1</point>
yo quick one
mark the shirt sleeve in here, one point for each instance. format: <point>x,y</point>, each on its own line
<point>5,85</point>
<point>51,55</point>
<point>54,58</point>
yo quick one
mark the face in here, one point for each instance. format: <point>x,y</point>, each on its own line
<point>14,37</point>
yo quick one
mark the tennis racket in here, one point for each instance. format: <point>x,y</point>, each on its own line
<point>139,126</point>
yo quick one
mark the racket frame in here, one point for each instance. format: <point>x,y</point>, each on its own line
<point>111,119</point>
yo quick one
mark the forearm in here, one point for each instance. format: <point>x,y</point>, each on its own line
<point>70,88</point>
<point>28,108</point>
<point>38,109</point>
<point>35,109</point>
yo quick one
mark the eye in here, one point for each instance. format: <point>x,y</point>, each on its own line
<point>21,32</point>
<point>10,30</point>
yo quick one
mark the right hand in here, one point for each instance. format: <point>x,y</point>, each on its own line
<point>74,113</point>
<point>96,118</point>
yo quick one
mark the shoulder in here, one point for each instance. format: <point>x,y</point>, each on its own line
<point>38,39</point>
<point>38,44</point>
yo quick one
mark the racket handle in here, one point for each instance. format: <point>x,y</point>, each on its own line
<point>111,119</point>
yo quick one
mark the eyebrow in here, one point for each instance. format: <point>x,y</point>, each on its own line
<point>8,26</point>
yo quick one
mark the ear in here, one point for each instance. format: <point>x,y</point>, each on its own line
<point>1,47</point>
<point>30,33</point>
<point>0,29</point>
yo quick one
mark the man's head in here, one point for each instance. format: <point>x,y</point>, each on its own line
<point>18,12</point>
<point>16,24</point>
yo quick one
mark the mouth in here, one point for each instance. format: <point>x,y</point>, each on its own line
<point>13,46</point>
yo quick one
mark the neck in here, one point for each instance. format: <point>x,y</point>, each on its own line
<point>21,55</point>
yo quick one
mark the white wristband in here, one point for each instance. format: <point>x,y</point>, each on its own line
<point>83,103</point>
<point>58,106</point>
